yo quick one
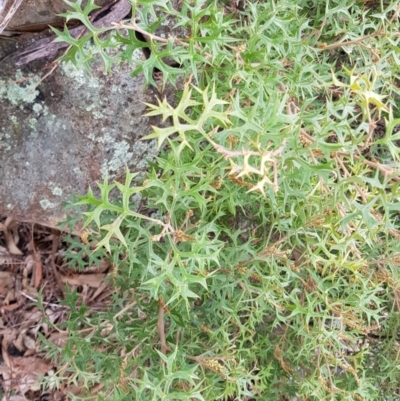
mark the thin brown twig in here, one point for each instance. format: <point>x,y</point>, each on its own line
<point>375,55</point>
<point>324,46</point>
<point>385,170</point>
<point>371,129</point>
<point>24,79</point>
<point>395,14</point>
<point>333,388</point>
<point>44,302</point>
<point>134,27</point>
<point>54,247</point>
<point>55,65</point>
<point>161,328</point>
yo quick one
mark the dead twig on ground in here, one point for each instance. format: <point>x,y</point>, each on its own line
<point>161,327</point>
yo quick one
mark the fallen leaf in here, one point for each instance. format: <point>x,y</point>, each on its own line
<point>37,266</point>
<point>103,266</point>
<point>85,292</point>
<point>7,227</point>
<point>4,344</point>
<point>37,271</point>
<point>15,398</point>
<point>92,280</point>
<point>99,290</point>
<point>27,270</point>
<point>59,338</point>
<point>9,298</point>
<point>19,342</point>
<point>26,371</point>
<point>10,307</point>
<point>24,342</point>
<point>6,282</point>
<point>7,287</point>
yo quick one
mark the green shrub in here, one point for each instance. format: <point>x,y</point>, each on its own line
<point>264,261</point>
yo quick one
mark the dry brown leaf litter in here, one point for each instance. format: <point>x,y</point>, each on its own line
<point>31,260</point>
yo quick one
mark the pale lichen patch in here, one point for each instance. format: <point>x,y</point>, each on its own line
<point>37,108</point>
<point>4,141</point>
<point>99,138</point>
<point>46,204</point>
<point>80,76</point>
<point>98,115</point>
<point>16,93</point>
<point>32,123</point>
<point>121,157</point>
<point>57,191</point>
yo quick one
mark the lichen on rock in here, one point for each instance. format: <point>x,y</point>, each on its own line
<point>18,93</point>
<point>67,133</point>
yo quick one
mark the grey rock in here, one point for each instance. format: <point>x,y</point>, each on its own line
<point>66,133</point>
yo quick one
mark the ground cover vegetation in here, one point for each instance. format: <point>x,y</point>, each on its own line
<point>258,259</point>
